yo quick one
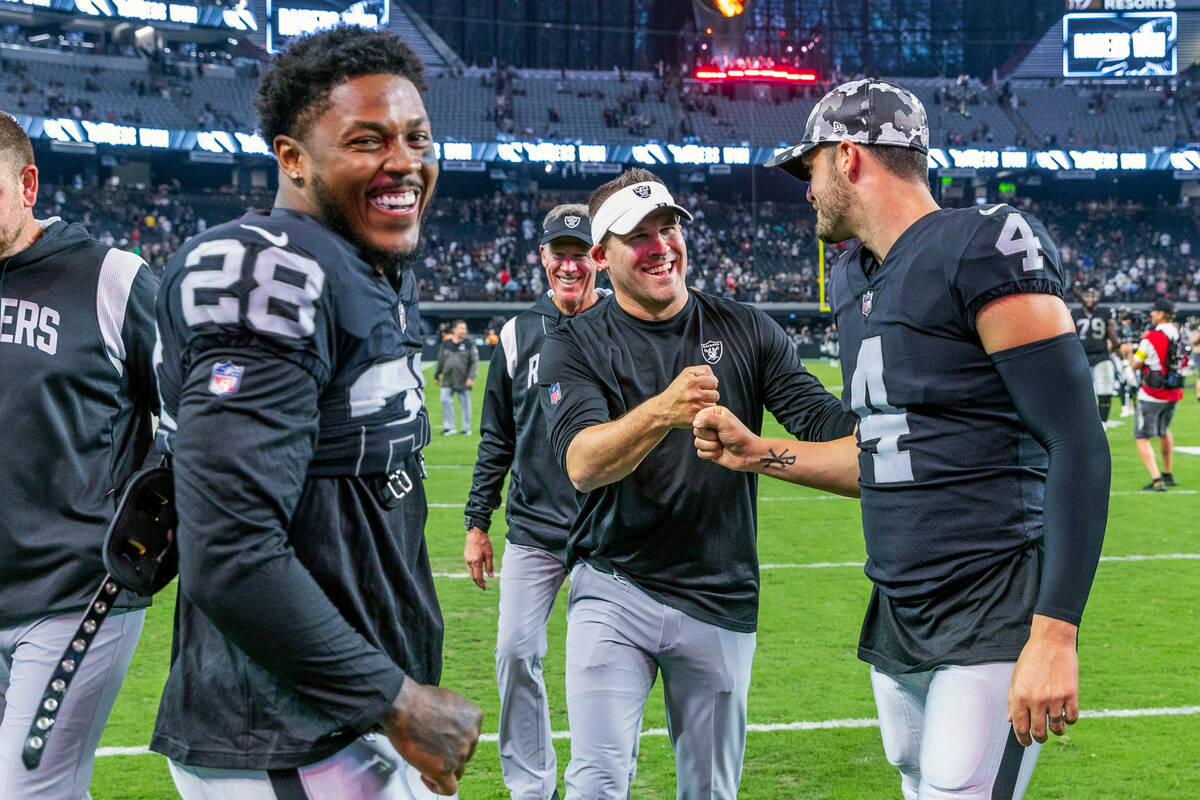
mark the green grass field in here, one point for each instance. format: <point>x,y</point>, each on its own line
<point>1138,646</point>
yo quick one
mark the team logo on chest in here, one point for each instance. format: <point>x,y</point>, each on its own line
<point>868,302</point>
<point>571,221</point>
<point>226,378</point>
<point>403,317</point>
<point>711,351</point>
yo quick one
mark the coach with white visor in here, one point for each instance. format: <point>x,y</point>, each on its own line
<point>658,581</point>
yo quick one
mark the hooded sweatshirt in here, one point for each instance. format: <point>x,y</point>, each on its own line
<point>77,392</point>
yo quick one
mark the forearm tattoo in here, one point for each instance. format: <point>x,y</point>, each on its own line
<point>780,460</point>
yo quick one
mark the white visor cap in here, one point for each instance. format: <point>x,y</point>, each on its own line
<point>622,211</point>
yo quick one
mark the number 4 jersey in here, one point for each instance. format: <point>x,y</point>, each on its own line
<point>952,482</point>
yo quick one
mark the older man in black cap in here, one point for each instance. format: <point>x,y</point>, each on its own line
<point>541,503</point>
<point>982,463</point>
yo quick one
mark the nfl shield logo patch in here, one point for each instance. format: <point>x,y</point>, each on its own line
<point>226,378</point>
<point>555,394</point>
<point>868,299</point>
<point>711,351</point>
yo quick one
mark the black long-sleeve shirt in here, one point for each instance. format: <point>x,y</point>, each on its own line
<point>291,381</point>
<point>682,529</point>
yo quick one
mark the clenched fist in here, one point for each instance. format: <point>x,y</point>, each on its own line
<point>436,731</point>
<point>693,389</point>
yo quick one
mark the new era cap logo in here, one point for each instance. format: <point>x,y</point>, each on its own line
<point>571,221</point>
<point>642,191</point>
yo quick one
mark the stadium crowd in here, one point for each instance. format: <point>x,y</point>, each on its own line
<point>484,247</point>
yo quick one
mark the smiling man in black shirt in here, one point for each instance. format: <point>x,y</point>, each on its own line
<point>664,569</point>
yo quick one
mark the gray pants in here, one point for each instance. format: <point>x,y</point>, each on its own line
<point>529,582</point>
<point>618,639</point>
<point>28,655</point>
<point>368,768</point>
<point>464,405</point>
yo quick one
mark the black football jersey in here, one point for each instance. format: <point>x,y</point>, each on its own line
<point>267,281</point>
<point>291,382</point>
<point>1092,327</point>
<point>952,482</point>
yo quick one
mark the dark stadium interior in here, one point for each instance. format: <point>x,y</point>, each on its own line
<point>620,75</point>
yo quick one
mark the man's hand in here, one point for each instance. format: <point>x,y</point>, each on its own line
<point>722,438</point>
<point>478,554</point>
<point>693,389</point>
<point>435,730</point>
<point>1045,682</point>
<point>470,382</point>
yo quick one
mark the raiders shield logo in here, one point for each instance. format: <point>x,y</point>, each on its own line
<point>711,351</point>
<point>868,299</point>
<point>642,191</point>
<point>571,221</point>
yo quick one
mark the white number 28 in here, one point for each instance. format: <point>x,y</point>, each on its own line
<point>282,302</point>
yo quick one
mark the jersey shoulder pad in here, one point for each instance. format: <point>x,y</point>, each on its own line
<point>1008,251</point>
<point>249,282</point>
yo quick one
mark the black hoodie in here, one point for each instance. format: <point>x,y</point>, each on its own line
<point>76,394</point>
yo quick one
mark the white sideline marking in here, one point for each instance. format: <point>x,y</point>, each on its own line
<point>859,564</point>
<point>1191,451</point>
<point>819,725</point>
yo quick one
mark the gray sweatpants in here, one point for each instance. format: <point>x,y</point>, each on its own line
<point>464,405</point>
<point>618,639</point>
<point>28,655</point>
<point>368,768</point>
<point>529,582</point>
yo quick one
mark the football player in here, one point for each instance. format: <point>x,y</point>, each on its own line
<point>982,465</point>
<point>307,635</point>
<point>1098,334</point>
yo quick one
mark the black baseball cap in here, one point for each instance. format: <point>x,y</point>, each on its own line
<point>1164,305</point>
<point>574,226</point>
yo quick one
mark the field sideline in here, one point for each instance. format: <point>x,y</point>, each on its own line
<point>813,730</point>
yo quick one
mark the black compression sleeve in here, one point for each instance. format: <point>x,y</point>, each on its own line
<point>1051,387</point>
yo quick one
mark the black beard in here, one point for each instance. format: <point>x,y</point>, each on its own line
<point>392,264</point>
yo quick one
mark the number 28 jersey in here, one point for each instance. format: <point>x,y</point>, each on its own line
<point>952,482</point>
<point>284,285</point>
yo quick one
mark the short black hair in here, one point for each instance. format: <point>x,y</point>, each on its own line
<point>14,143</point>
<point>296,90</point>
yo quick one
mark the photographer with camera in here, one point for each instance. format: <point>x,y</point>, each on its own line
<point>1161,357</point>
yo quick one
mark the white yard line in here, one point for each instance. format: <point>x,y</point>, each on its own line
<point>859,564</point>
<point>819,725</point>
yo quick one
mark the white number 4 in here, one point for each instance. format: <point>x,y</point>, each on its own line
<point>1017,237</point>
<point>880,421</point>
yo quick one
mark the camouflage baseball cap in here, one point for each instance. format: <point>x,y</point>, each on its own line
<point>866,111</point>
